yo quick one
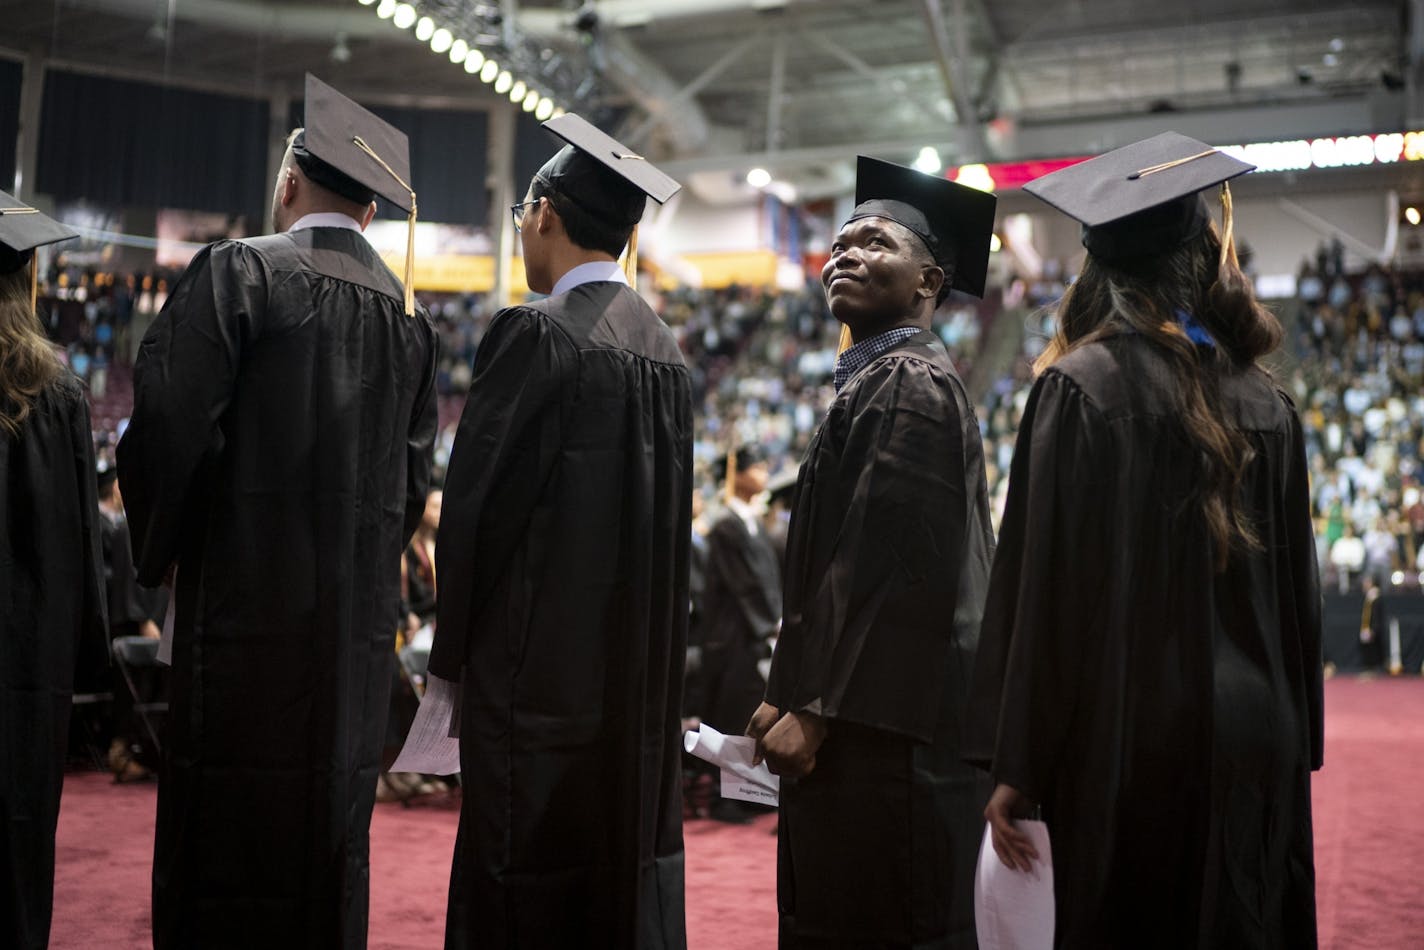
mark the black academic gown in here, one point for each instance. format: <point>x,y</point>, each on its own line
<point>563,563</point>
<point>742,607</point>
<point>279,452</point>
<point>886,566</point>
<point>51,616</point>
<point>1166,716</point>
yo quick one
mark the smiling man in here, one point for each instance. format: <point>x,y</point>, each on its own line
<point>886,568</point>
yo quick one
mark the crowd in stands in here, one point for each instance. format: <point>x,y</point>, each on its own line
<point>762,364</point>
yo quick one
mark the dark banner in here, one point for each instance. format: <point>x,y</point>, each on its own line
<point>449,152</point>
<point>11,75</point>
<point>125,143</point>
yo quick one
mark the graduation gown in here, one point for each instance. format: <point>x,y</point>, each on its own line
<point>1165,715</point>
<point>563,563</point>
<point>279,452</point>
<point>742,604</point>
<point>886,565</point>
<point>52,616</point>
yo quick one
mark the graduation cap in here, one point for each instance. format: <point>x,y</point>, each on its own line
<point>604,178</point>
<point>954,221</point>
<point>1143,200</point>
<point>356,154</point>
<point>22,229</point>
<point>742,458</point>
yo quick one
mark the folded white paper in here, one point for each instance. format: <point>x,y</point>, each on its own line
<point>733,755</point>
<point>1013,910</point>
<point>430,748</point>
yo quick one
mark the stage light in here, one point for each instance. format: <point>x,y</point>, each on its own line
<point>424,29</point>
<point>440,40</point>
<point>404,16</point>
<point>517,91</point>
<point>532,100</point>
<point>367,3</point>
<point>1411,214</point>
<point>503,81</point>
<point>544,110</point>
<point>928,160</point>
<point>758,178</point>
<point>995,245</point>
<point>474,60</point>
<point>458,51</point>
<point>386,8</point>
<point>489,70</point>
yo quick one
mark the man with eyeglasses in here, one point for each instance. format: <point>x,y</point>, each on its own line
<point>563,563</point>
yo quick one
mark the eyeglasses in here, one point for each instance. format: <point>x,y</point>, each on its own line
<point>518,212</point>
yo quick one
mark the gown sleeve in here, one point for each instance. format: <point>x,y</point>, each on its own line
<point>1305,587</point>
<point>1045,588</point>
<point>888,496</point>
<point>183,381</point>
<point>93,645</point>
<point>507,441</point>
<point>420,443</point>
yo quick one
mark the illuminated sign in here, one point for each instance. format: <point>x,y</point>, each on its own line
<point>1296,155</point>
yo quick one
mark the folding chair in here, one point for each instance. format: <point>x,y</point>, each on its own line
<point>140,653</point>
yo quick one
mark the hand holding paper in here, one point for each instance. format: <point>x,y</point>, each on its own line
<point>733,755</point>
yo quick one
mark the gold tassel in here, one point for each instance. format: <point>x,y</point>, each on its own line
<point>1228,228</point>
<point>410,224</point>
<point>630,259</point>
<point>410,260</point>
<point>846,341</point>
<point>34,283</point>
<point>729,491</point>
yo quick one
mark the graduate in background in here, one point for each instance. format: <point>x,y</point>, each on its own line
<point>886,566</point>
<point>1149,671</point>
<point>742,607</point>
<point>279,455</point>
<point>563,604</point>
<point>52,594</point>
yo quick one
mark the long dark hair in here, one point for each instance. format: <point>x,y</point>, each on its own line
<point>27,361</point>
<point>1199,279</point>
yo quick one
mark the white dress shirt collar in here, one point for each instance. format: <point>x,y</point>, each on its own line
<point>587,274</point>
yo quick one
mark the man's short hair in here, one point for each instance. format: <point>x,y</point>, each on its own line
<point>583,229</point>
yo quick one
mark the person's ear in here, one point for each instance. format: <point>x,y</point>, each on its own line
<point>547,216</point>
<point>932,278</point>
<point>290,187</point>
<point>370,214</point>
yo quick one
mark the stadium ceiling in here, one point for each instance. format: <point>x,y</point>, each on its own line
<point>801,85</point>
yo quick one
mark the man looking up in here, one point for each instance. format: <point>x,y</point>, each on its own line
<point>563,563</point>
<point>886,566</point>
<point>279,454</point>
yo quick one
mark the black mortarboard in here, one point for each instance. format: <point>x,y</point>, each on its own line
<point>356,154</point>
<point>328,152</point>
<point>22,229</point>
<point>1141,200</point>
<point>600,175</point>
<point>954,220</point>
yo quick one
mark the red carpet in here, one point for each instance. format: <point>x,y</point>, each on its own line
<point>1369,849</point>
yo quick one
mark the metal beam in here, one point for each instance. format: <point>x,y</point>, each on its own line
<point>950,60</point>
<point>775,92</point>
<point>891,87</point>
<point>659,111</point>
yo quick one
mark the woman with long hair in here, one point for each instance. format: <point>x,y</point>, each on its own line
<point>1149,670</point>
<point>51,577</point>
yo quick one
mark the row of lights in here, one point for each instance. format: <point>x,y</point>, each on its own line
<point>476,63</point>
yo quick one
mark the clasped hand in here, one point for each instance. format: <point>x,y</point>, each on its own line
<point>788,743</point>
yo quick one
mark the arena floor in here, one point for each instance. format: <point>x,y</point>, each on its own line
<point>1369,826</point>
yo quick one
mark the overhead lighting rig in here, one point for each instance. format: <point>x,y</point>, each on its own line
<point>475,36</point>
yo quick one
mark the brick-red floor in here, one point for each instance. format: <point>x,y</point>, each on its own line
<point>1369,828</point>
